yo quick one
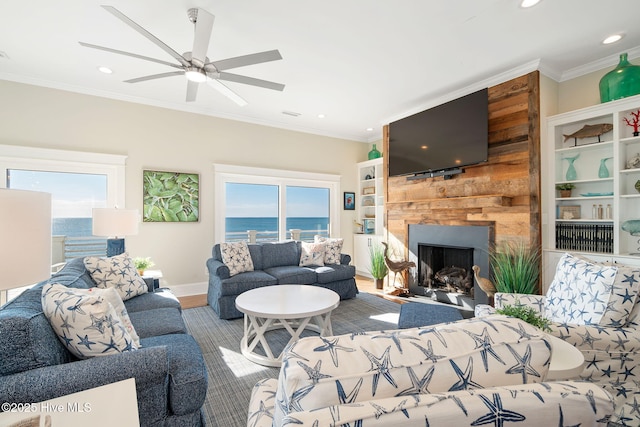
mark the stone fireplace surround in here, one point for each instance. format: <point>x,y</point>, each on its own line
<point>478,237</point>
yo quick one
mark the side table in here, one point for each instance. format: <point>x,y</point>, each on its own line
<point>152,279</point>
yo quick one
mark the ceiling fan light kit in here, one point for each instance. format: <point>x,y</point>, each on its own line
<point>195,65</point>
<point>195,74</point>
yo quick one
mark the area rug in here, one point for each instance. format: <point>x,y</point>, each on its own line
<point>232,376</point>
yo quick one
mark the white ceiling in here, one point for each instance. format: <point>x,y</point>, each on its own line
<point>361,63</point>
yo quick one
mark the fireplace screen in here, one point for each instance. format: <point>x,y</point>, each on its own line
<point>446,268</point>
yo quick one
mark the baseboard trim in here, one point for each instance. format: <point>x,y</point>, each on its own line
<point>189,289</point>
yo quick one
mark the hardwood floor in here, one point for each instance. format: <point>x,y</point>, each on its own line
<point>364,285</point>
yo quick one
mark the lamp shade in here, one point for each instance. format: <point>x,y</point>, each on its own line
<point>25,237</point>
<point>112,222</point>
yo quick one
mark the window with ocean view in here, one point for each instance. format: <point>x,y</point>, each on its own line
<point>308,211</point>
<point>268,208</point>
<point>73,196</point>
<point>77,181</point>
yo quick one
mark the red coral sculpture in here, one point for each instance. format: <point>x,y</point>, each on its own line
<point>634,123</point>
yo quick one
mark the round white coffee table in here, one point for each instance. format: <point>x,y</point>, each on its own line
<point>566,360</point>
<point>291,307</point>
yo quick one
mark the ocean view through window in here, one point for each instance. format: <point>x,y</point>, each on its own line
<point>269,212</point>
<point>73,195</point>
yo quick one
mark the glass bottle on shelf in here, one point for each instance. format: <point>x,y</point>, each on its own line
<point>603,172</point>
<point>571,175</point>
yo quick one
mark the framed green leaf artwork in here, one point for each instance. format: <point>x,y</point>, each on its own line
<point>170,196</point>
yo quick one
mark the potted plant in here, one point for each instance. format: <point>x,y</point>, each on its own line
<point>565,189</point>
<point>142,264</point>
<point>515,267</point>
<point>526,313</point>
<point>378,268</point>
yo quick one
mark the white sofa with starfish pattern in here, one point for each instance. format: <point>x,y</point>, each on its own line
<point>594,307</point>
<point>468,373</point>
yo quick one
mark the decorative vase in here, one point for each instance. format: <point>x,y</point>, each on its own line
<point>379,283</point>
<point>603,172</point>
<point>572,175</point>
<point>621,82</point>
<point>374,153</point>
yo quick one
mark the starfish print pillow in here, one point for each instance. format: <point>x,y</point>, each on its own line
<point>87,325</point>
<point>333,248</point>
<point>236,256</point>
<point>116,272</point>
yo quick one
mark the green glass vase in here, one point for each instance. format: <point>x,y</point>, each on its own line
<point>621,82</point>
<point>374,153</point>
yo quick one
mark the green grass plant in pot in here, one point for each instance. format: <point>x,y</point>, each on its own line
<point>378,268</point>
<point>565,189</point>
<point>142,264</point>
<point>515,267</point>
<point>528,314</point>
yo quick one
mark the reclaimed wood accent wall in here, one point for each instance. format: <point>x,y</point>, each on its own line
<point>503,193</point>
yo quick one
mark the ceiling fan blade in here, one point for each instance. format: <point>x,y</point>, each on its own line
<point>220,87</point>
<point>204,26</point>
<point>192,90</point>
<point>115,12</point>
<point>155,76</point>
<point>242,61</point>
<point>251,81</point>
<point>135,55</point>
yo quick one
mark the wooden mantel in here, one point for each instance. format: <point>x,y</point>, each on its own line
<point>504,192</point>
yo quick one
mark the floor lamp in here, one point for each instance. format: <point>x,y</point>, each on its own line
<point>115,223</point>
<point>25,238</point>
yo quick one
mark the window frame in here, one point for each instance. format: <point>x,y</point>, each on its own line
<point>224,174</point>
<point>52,160</point>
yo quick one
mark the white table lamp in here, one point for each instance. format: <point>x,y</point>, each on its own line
<point>25,236</point>
<point>115,223</point>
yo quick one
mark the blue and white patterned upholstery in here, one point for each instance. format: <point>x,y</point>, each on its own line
<point>236,256</point>
<point>611,350</point>
<point>87,324</point>
<point>470,372</point>
<point>116,272</point>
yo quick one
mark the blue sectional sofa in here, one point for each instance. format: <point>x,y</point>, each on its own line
<point>274,264</point>
<point>169,370</point>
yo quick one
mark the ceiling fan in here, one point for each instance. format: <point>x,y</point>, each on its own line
<point>195,65</point>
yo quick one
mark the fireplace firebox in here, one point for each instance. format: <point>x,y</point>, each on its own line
<point>446,268</point>
<point>444,255</point>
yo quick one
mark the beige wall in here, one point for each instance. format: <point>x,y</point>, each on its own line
<point>580,92</point>
<point>157,138</point>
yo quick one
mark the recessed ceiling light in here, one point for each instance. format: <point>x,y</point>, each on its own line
<point>369,129</point>
<point>612,38</point>
<point>529,3</point>
<point>105,70</point>
<point>321,116</point>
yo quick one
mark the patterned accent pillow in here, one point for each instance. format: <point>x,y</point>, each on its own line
<point>116,272</point>
<point>333,248</point>
<point>624,295</point>
<point>580,291</point>
<point>113,297</point>
<point>87,325</point>
<point>236,256</point>
<point>312,254</point>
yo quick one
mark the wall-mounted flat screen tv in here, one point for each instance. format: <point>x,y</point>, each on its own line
<point>449,136</point>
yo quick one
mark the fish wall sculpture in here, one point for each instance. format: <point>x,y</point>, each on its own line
<point>588,131</point>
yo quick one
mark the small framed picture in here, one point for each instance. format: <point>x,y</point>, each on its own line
<point>349,201</point>
<point>569,212</point>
